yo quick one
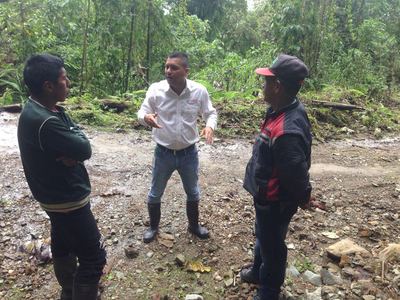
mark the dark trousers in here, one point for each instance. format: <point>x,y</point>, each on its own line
<point>76,233</point>
<point>270,255</point>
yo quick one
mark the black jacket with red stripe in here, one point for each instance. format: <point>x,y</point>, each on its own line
<point>279,167</point>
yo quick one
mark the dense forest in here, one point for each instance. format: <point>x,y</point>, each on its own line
<point>117,47</point>
<point>346,246</point>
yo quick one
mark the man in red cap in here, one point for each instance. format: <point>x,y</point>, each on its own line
<point>277,175</point>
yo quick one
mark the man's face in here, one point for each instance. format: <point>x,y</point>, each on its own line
<point>271,89</point>
<point>175,71</point>
<point>58,90</point>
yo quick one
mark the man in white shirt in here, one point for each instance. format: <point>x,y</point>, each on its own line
<point>171,107</point>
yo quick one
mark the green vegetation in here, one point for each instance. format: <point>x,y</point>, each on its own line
<point>90,110</point>
<point>303,264</point>
<point>4,202</point>
<point>114,49</point>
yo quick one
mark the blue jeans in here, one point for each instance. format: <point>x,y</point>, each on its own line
<point>76,233</point>
<point>270,253</point>
<point>166,161</point>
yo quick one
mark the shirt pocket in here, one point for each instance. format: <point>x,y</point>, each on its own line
<point>191,111</point>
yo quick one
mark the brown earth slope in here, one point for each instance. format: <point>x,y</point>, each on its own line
<point>357,180</point>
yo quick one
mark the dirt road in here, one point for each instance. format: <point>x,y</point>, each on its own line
<point>358,180</point>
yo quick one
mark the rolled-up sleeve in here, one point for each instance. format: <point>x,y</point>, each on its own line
<point>147,106</point>
<point>209,113</point>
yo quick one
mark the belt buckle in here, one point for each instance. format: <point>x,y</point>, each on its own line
<point>174,152</point>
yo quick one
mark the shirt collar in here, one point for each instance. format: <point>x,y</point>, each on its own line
<point>189,85</point>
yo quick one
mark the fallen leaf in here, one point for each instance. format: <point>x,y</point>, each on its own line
<point>166,243</point>
<point>166,236</point>
<point>330,235</point>
<point>197,266</point>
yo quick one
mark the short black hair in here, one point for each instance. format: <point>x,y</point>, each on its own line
<point>182,55</point>
<point>40,68</point>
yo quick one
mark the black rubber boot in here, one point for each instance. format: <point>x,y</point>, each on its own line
<point>85,291</point>
<point>267,294</point>
<point>154,214</point>
<point>64,268</point>
<point>192,211</point>
<point>249,275</point>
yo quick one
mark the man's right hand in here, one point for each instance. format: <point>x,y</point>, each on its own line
<point>151,120</point>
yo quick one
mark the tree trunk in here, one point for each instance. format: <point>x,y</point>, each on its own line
<point>320,33</point>
<point>148,56</point>
<point>84,51</point>
<point>24,35</point>
<point>13,108</point>
<point>339,106</point>
<point>130,48</point>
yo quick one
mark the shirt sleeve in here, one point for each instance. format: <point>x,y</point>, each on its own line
<point>60,140</point>
<point>292,165</point>
<point>147,106</point>
<point>209,113</point>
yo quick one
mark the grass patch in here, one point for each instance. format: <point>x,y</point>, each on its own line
<point>91,111</point>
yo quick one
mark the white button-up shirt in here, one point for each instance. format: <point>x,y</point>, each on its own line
<point>177,114</point>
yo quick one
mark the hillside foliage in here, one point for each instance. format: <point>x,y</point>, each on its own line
<point>118,47</point>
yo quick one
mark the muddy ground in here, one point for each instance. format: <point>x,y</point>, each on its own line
<point>357,179</point>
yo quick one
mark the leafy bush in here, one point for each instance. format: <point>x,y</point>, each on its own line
<point>12,86</point>
<point>88,110</point>
<point>379,116</point>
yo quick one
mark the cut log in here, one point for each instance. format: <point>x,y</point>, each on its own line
<point>12,108</point>
<point>336,105</point>
<point>114,105</point>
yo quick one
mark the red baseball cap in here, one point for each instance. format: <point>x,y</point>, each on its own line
<point>287,68</point>
<point>264,72</point>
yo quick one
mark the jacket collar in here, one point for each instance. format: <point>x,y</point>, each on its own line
<point>270,113</point>
<point>60,108</point>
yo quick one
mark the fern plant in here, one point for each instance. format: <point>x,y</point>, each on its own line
<point>12,89</point>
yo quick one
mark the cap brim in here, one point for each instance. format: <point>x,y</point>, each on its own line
<point>264,72</point>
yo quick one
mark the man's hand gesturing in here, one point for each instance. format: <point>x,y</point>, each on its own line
<point>208,134</point>
<point>151,120</point>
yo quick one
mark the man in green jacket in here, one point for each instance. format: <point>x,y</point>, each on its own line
<point>53,150</point>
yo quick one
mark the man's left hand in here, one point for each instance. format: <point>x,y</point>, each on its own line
<point>208,134</point>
